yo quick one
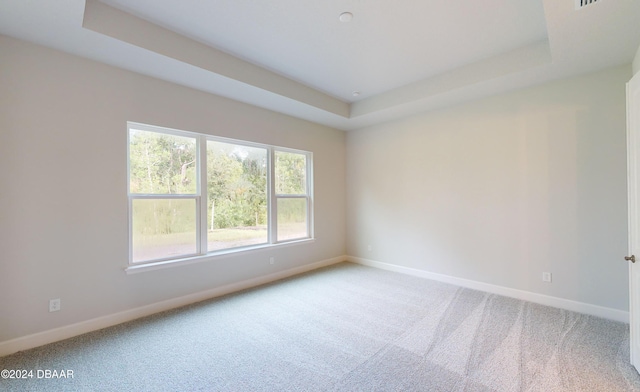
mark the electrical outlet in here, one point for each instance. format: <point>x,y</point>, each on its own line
<point>546,277</point>
<point>272,260</point>
<point>54,305</point>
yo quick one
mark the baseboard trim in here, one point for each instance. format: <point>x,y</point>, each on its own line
<point>68,331</point>
<point>580,307</point>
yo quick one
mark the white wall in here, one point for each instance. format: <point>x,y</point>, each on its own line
<point>500,190</point>
<point>636,62</point>
<point>63,195</point>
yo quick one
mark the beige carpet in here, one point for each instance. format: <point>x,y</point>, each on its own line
<point>344,328</point>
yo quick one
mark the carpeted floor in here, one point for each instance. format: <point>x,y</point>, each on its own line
<point>343,328</point>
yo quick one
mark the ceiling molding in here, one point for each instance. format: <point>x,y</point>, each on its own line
<point>303,62</point>
<point>112,22</point>
<point>104,19</point>
<point>494,67</point>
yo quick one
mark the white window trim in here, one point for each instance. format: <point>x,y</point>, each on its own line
<point>221,255</point>
<point>201,202</point>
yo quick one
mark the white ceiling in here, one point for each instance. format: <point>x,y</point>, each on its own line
<point>296,57</point>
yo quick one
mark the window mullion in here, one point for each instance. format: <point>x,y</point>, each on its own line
<point>309,195</point>
<point>272,200</point>
<point>203,207</point>
<point>130,211</point>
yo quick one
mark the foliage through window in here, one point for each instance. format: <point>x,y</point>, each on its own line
<point>237,195</point>
<point>192,194</point>
<point>291,195</point>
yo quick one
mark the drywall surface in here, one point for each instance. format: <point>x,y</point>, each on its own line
<point>63,193</point>
<point>501,190</point>
<point>636,62</point>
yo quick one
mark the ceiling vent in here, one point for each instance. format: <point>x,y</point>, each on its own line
<point>580,4</point>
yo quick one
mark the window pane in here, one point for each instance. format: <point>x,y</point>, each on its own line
<point>160,163</point>
<point>292,218</point>
<point>236,195</point>
<point>291,173</point>
<point>163,228</point>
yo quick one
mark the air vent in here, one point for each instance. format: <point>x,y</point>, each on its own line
<point>580,4</point>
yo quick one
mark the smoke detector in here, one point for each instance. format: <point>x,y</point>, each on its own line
<point>345,17</point>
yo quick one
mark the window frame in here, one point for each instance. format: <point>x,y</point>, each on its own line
<point>197,196</point>
<point>307,196</point>
<point>201,198</point>
<point>205,238</point>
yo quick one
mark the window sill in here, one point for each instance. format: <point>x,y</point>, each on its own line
<point>152,266</point>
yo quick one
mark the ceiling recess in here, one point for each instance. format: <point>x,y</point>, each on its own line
<point>583,3</point>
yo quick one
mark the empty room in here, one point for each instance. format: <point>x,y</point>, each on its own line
<point>330,195</point>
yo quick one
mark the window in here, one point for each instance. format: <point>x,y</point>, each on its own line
<point>164,194</point>
<point>236,195</point>
<point>292,195</point>
<point>192,194</point>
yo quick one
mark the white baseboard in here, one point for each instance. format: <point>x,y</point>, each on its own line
<point>69,331</point>
<point>580,307</point>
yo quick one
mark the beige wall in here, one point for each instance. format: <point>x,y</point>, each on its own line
<point>497,191</point>
<point>636,62</point>
<point>63,195</point>
<point>502,189</point>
